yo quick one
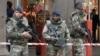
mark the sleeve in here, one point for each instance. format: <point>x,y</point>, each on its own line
<point>67,33</point>
<point>78,25</point>
<point>74,22</point>
<point>45,32</point>
<point>11,31</point>
<point>25,22</point>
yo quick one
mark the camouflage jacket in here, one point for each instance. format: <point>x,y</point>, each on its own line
<point>14,31</point>
<point>61,29</point>
<point>77,23</point>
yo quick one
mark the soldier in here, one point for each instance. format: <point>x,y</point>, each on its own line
<point>56,35</point>
<point>18,37</point>
<point>77,30</point>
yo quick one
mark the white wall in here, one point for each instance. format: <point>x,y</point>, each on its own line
<point>66,7</point>
<point>3,50</point>
<point>79,0</point>
<point>15,2</point>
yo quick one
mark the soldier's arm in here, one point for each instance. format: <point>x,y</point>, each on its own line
<point>74,22</point>
<point>25,22</point>
<point>11,31</point>
<point>78,24</point>
<point>45,32</point>
<point>67,33</point>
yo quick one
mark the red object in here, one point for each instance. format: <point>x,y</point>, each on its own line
<point>41,49</point>
<point>38,8</point>
<point>89,48</point>
<point>89,25</point>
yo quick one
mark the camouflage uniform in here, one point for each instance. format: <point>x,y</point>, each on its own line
<point>77,32</point>
<point>18,42</point>
<point>53,48</point>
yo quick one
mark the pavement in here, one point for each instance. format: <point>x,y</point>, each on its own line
<point>96,51</point>
<point>4,52</point>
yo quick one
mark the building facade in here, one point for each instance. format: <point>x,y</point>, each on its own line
<point>65,6</point>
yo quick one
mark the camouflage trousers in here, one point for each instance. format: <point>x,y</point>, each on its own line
<point>54,51</point>
<point>79,48</point>
<point>19,50</point>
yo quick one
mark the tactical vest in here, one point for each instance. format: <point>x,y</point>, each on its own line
<point>60,29</point>
<point>19,39</point>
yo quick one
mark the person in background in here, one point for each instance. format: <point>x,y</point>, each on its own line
<point>95,23</point>
<point>10,10</point>
<point>9,13</point>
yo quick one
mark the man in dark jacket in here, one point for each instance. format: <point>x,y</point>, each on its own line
<point>10,11</point>
<point>95,20</point>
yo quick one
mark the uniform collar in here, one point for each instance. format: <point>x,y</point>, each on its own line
<point>56,23</point>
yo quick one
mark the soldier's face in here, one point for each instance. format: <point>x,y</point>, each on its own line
<point>18,14</point>
<point>81,7</point>
<point>56,18</point>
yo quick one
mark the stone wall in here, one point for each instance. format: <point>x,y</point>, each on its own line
<point>3,50</point>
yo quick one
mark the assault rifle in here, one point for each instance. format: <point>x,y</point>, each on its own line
<point>27,28</point>
<point>60,40</point>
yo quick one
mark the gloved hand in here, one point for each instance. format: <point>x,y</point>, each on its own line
<point>26,35</point>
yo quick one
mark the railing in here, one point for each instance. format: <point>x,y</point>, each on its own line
<point>86,44</point>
